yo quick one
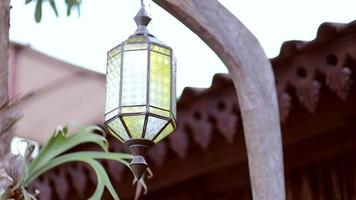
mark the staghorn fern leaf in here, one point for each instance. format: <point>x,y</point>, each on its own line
<point>89,157</point>
<point>60,142</point>
<point>51,155</point>
<point>83,156</point>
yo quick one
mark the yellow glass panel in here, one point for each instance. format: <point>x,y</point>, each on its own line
<point>154,125</point>
<point>118,129</point>
<point>116,136</point>
<point>168,130</point>
<point>160,81</point>
<point>134,79</point>
<point>114,51</point>
<point>133,109</point>
<point>113,80</point>
<point>138,38</point>
<point>136,46</point>
<point>159,112</point>
<point>134,125</point>
<point>161,49</point>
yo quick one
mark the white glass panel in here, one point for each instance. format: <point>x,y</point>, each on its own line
<point>111,114</point>
<point>134,88</point>
<point>154,125</point>
<point>113,80</point>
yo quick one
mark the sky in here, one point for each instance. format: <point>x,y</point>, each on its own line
<point>84,39</point>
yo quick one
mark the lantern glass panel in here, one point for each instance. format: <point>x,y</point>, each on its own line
<point>174,88</point>
<point>134,83</point>
<point>154,125</point>
<point>160,112</point>
<point>113,80</point>
<point>136,38</point>
<point>135,46</point>
<point>133,109</point>
<point>161,49</point>
<point>134,125</point>
<point>166,131</point>
<point>117,129</point>
<point>111,114</point>
<point>160,80</point>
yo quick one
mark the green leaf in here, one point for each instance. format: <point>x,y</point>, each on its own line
<point>27,195</point>
<point>53,5</point>
<point>38,11</point>
<point>60,142</point>
<point>2,192</point>
<point>71,4</point>
<point>90,158</point>
<point>28,1</point>
<point>79,156</point>
<point>103,180</point>
<point>51,156</point>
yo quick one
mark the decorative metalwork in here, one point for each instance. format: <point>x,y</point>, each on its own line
<point>140,91</point>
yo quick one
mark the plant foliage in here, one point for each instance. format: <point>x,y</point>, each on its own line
<point>70,4</point>
<point>17,172</point>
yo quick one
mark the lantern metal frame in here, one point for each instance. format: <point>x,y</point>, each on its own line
<point>147,112</point>
<point>139,146</point>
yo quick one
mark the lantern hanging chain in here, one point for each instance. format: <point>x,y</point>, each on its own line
<point>142,4</point>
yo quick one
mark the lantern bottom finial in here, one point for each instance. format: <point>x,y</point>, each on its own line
<point>138,166</point>
<point>139,149</point>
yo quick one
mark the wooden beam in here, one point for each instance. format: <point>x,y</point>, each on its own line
<point>197,163</point>
<point>252,75</point>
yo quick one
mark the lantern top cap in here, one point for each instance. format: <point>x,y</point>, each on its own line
<point>142,19</point>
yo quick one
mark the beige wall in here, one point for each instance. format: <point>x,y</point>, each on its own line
<point>74,94</point>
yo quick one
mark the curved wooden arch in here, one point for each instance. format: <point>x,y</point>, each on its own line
<point>253,78</point>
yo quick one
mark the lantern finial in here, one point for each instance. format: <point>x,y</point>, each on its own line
<point>139,148</point>
<point>142,19</point>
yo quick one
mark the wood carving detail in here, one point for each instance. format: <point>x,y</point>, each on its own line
<point>158,153</point>
<point>179,142</point>
<point>285,105</point>
<point>340,82</point>
<point>227,121</point>
<point>61,186</point>
<point>76,175</point>
<point>309,95</point>
<point>202,133</point>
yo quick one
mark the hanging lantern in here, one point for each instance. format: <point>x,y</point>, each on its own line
<point>141,92</point>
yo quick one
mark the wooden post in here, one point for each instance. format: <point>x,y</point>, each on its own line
<point>4,48</point>
<point>253,78</point>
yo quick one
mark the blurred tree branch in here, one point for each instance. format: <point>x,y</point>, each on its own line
<point>4,46</point>
<point>5,120</point>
